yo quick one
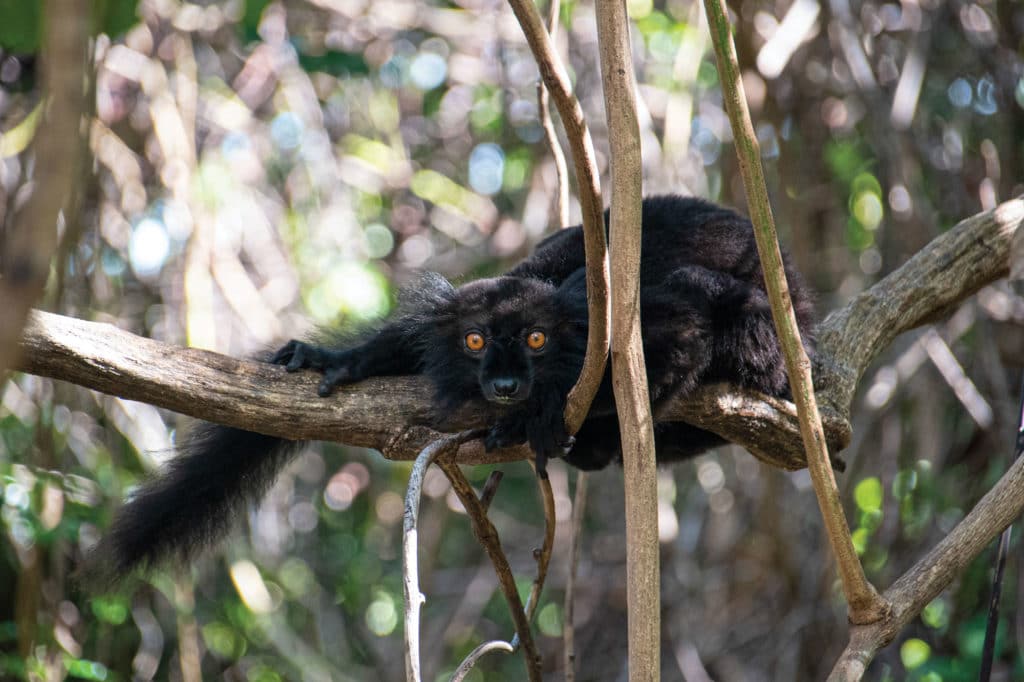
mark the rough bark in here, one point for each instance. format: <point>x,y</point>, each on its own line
<point>629,373</point>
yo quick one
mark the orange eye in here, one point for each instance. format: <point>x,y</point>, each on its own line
<point>536,340</point>
<point>475,341</point>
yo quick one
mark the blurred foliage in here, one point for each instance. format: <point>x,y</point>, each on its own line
<point>261,166</point>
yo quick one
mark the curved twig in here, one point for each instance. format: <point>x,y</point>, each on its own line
<point>478,653</point>
<point>589,187</point>
<point>410,564</point>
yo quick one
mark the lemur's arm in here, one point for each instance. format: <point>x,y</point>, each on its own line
<point>391,350</point>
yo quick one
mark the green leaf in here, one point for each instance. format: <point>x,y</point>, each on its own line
<point>335,63</point>
<point>115,17</point>
<point>868,494</point>
<point>860,540</point>
<point>110,609</point>
<point>86,670</point>
<point>936,614</point>
<point>251,19</point>
<point>17,139</point>
<point>914,653</point>
<point>21,22</point>
<point>21,25</point>
<point>549,620</point>
<point>904,483</point>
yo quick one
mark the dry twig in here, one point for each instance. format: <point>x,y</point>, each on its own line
<point>865,605</point>
<point>579,504</point>
<point>629,370</point>
<point>543,553</point>
<point>410,565</point>
<point>478,653</point>
<point>589,187</point>
<point>487,535</point>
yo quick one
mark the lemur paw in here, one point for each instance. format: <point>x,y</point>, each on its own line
<point>504,434</point>
<point>335,365</point>
<point>296,355</point>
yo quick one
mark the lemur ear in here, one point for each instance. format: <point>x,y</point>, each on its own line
<point>427,292</point>
<point>571,294</point>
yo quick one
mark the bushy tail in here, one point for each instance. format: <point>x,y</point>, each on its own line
<point>216,474</point>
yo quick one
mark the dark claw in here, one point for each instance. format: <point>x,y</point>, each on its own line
<point>284,354</point>
<point>332,378</point>
<point>298,359</point>
<point>504,434</point>
<point>541,463</point>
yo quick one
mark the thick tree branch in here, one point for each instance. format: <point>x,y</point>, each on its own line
<point>395,415</point>
<point>924,289</point>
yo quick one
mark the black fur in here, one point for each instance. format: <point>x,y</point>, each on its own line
<point>705,318</point>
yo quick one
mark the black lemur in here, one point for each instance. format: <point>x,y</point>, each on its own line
<point>517,341</point>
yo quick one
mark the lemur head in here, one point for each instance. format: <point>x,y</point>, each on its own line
<point>499,337</point>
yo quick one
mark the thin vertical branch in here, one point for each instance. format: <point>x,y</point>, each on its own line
<point>579,504</point>
<point>865,605</point>
<point>629,373</point>
<point>543,553</point>
<point>992,626</point>
<point>550,136</point>
<point>487,535</point>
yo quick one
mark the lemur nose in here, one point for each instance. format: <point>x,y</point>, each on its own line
<point>505,388</point>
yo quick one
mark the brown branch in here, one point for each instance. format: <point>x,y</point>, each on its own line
<point>487,535</point>
<point>579,504</point>
<point>629,369</point>
<point>550,136</point>
<point>924,289</point>
<point>543,553</point>
<point>865,605</point>
<point>31,243</point>
<point>589,187</point>
<point>395,414</point>
<point>929,576</point>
